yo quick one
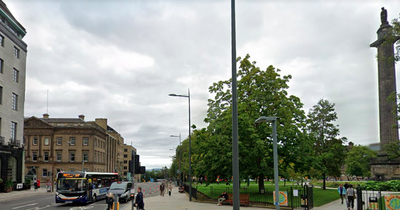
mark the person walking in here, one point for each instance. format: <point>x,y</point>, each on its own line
<point>222,198</point>
<point>342,192</point>
<point>350,195</point>
<point>170,188</point>
<point>139,199</point>
<point>110,201</point>
<point>162,188</point>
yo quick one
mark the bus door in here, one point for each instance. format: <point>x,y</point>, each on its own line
<point>89,187</point>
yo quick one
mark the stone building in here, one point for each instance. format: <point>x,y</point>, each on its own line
<point>13,52</point>
<point>64,144</point>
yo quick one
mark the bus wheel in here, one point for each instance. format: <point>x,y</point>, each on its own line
<point>94,198</point>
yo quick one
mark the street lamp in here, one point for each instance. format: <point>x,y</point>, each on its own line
<point>190,143</point>
<point>180,157</point>
<point>273,120</point>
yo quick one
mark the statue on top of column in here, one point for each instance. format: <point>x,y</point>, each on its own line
<point>384,16</point>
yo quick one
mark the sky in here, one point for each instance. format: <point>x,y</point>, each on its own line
<point>120,59</point>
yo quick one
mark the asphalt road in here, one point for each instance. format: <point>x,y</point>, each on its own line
<point>47,201</point>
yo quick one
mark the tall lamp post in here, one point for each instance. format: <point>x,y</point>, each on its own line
<point>190,143</point>
<point>273,120</point>
<point>180,157</point>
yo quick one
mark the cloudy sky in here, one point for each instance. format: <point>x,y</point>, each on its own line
<point>120,60</point>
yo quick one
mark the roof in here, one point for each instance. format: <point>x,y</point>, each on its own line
<point>63,120</point>
<point>3,6</point>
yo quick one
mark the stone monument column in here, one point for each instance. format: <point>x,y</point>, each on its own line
<point>386,81</point>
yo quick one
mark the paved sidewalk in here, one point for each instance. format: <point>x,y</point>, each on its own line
<point>335,205</point>
<point>180,201</point>
<point>23,193</point>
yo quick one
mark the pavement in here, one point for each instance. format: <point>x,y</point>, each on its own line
<point>23,194</point>
<point>177,201</point>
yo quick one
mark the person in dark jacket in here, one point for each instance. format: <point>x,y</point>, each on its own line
<point>162,188</point>
<point>139,199</point>
<point>110,201</point>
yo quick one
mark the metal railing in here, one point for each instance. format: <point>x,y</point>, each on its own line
<point>14,142</point>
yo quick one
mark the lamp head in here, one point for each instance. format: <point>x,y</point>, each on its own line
<point>265,119</point>
<point>172,94</point>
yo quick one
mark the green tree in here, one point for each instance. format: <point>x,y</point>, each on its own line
<point>392,150</point>
<point>396,33</point>
<point>260,93</point>
<point>358,161</point>
<point>328,147</point>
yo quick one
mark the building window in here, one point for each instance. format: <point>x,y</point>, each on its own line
<point>125,167</point>
<point>72,156</point>
<point>95,142</point>
<point>125,150</point>
<point>13,130</point>
<point>14,104</point>
<point>125,156</point>
<point>125,161</point>
<point>72,141</point>
<point>15,75</point>
<point>35,140</point>
<point>46,156</point>
<point>85,156</point>
<point>46,141</point>
<point>1,65</point>
<point>58,156</point>
<point>2,40</point>
<point>44,173</point>
<point>85,141</point>
<point>16,52</point>
<point>34,156</point>
<point>1,94</point>
<point>59,141</point>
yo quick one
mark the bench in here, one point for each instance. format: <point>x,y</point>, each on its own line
<point>244,199</point>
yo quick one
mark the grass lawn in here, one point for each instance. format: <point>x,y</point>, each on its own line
<point>321,197</point>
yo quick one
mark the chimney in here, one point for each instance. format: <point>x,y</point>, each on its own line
<point>102,122</point>
<point>46,116</point>
<point>82,117</point>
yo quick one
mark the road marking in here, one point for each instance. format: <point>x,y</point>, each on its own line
<point>18,207</point>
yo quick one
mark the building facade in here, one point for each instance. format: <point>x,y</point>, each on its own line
<point>129,155</point>
<point>13,52</point>
<point>64,144</point>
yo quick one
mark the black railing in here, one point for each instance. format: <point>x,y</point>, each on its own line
<point>194,191</point>
<point>295,197</point>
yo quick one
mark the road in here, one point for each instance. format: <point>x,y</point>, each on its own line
<point>47,202</point>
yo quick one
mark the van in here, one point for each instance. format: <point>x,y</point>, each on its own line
<point>122,189</point>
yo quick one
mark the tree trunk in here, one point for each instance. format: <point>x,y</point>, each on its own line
<point>248,182</point>
<point>323,183</point>
<point>261,187</point>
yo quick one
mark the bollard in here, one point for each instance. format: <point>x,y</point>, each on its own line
<point>116,202</point>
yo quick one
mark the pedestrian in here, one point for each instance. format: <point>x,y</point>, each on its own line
<point>48,186</point>
<point>350,194</point>
<point>346,185</point>
<point>342,192</point>
<point>162,188</point>
<point>170,188</point>
<point>222,198</point>
<point>139,199</point>
<point>35,185</point>
<point>110,201</point>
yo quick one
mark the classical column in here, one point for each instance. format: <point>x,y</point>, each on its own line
<point>386,81</point>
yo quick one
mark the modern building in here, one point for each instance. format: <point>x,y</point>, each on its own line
<point>129,161</point>
<point>13,52</point>
<point>64,144</point>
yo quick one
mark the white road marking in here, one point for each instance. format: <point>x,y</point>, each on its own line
<point>18,207</point>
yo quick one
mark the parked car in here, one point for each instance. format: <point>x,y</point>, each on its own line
<point>123,190</point>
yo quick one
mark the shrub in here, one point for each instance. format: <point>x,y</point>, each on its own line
<point>393,185</point>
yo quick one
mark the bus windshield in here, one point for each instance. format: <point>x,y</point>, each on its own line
<point>71,185</point>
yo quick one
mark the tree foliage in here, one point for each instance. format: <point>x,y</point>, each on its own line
<point>328,146</point>
<point>358,161</point>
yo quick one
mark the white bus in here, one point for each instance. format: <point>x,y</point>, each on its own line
<point>83,187</point>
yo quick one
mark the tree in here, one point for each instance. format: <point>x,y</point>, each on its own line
<point>260,93</point>
<point>396,33</point>
<point>358,161</point>
<point>328,147</point>
<point>393,150</point>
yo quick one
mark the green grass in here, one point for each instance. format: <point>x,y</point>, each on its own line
<point>321,197</point>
